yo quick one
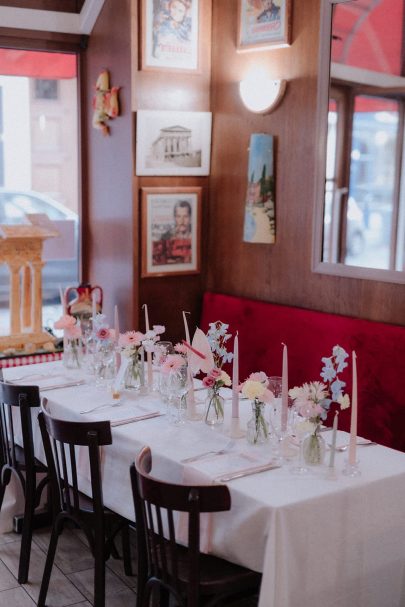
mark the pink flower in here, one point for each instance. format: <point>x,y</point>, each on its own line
<point>181,348</point>
<point>112,334</point>
<point>173,362</point>
<point>65,322</point>
<point>267,397</point>
<point>103,333</point>
<point>208,381</point>
<point>73,332</point>
<point>259,376</point>
<point>130,338</point>
<point>215,373</point>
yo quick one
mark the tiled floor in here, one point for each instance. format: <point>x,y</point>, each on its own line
<point>72,574</point>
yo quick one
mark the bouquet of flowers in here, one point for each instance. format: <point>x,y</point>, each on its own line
<point>255,388</point>
<point>72,334</point>
<point>216,378</point>
<point>130,344</point>
<point>313,400</point>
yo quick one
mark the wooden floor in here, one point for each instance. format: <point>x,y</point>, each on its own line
<point>72,575</point>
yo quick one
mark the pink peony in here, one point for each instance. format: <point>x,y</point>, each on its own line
<point>130,338</point>
<point>173,362</point>
<point>208,381</point>
<point>215,373</point>
<point>65,322</point>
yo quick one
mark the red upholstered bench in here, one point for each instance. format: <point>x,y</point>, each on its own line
<point>309,335</point>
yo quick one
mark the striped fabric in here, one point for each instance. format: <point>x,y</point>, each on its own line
<point>31,359</point>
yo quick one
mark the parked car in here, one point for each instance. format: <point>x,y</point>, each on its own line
<point>14,205</point>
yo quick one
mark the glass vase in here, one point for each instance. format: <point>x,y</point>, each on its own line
<point>72,353</point>
<point>314,448</point>
<point>257,427</point>
<point>214,408</point>
<point>133,378</point>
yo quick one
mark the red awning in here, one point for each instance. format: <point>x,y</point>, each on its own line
<point>37,64</point>
<point>368,34</point>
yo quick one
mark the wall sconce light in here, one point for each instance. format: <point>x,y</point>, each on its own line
<point>261,94</point>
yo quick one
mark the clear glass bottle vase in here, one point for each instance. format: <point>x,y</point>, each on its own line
<point>314,448</point>
<point>72,353</point>
<point>214,408</point>
<point>257,427</point>
<point>134,374</point>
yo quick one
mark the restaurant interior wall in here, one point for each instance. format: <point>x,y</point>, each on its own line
<point>280,273</point>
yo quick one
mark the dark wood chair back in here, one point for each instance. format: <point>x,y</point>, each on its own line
<point>155,502</point>
<point>60,437</point>
<point>17,457</point>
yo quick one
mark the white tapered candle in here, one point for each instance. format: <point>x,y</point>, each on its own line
<point>284,391</point>
<point>148,354</point>
<point>235,378</point>
<point>353,420</point>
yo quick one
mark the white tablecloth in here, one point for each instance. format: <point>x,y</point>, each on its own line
<point>318,542</point>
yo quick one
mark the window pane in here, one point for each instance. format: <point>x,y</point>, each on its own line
<point>39,158</point>
<point>372,182</point>
<point>330,184</point>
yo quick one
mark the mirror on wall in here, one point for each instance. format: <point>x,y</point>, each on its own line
<point>360,214</point>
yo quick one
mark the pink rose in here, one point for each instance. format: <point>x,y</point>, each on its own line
<point>73,332</point>
<point>208,381</point>
<point>103,333</point>
<point>259,376</point>
<point>215,373</point>
<point>267,397</point>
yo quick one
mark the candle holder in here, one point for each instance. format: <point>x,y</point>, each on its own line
<point>331,474</point>
<point>351,470</point>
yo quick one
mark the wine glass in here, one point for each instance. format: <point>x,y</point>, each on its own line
<point>300,431</point>
<point>177,386</point>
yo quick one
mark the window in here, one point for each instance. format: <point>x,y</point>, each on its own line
<point>39,157</point>
<point>364,197</point>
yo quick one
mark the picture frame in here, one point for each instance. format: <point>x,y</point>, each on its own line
<point>263,24</point>
<point>173,143</point>
<point>170,35</point>
<point>171,231</point>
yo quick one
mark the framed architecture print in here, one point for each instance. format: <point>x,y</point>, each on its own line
<point>171,229</point>
<point>173,143</point>
<point>170,34</point>
<point>263,24</point>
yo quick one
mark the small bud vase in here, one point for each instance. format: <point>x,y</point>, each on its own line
<point>133,379</point>
<point>72,353</point>
<point>257,426</point>
<point>314,448</point>
<point>214,408</point>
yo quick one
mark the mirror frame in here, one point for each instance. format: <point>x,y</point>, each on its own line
<point>324,61</point>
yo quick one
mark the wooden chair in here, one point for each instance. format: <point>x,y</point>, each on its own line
<point>193,579</point>
<point>99,524</point>
<point>20,460</point>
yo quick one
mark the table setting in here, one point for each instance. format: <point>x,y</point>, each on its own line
<point>250,437</point>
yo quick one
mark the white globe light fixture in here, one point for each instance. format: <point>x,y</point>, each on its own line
<point>261,94</point>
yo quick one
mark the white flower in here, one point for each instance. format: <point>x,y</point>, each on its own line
<point>304,427</point>
<point>149,345</point>
<point>149,335</point>
<point>253,389</point>
<point>344,401</point>
<point>159,329</point>
<point>225,378</point>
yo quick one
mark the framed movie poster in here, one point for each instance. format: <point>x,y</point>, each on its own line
<point>173,143</point>
<point>171,229</point>
<point>170,34</point>
<point>263,24</point>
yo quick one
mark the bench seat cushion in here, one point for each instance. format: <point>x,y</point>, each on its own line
<point>310,335</point>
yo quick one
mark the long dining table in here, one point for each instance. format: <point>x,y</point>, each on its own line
<point>335,542</point>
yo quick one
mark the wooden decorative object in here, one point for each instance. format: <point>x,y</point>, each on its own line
<point>21,249</point>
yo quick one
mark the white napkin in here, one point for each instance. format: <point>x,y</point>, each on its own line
<point>124,413</point>
<point>55,380</point>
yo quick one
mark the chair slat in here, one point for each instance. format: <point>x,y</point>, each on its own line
<point>74,477</point>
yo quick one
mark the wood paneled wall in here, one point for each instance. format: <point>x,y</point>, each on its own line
<point>165,90</point>
<point>281,272</point>
<point>108,235</point>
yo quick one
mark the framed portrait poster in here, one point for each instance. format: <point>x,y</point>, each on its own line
<point>263,24</point>
<point>171,229</point>
<point>173,143</point>
<point>170,34</point>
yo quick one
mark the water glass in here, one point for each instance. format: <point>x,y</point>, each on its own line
<point>104,365</point>
<point>177,386</point>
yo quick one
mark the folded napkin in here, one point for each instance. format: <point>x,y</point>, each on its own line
<point>343,439</point>
<point>126,413</point>
<point>49,382</point>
